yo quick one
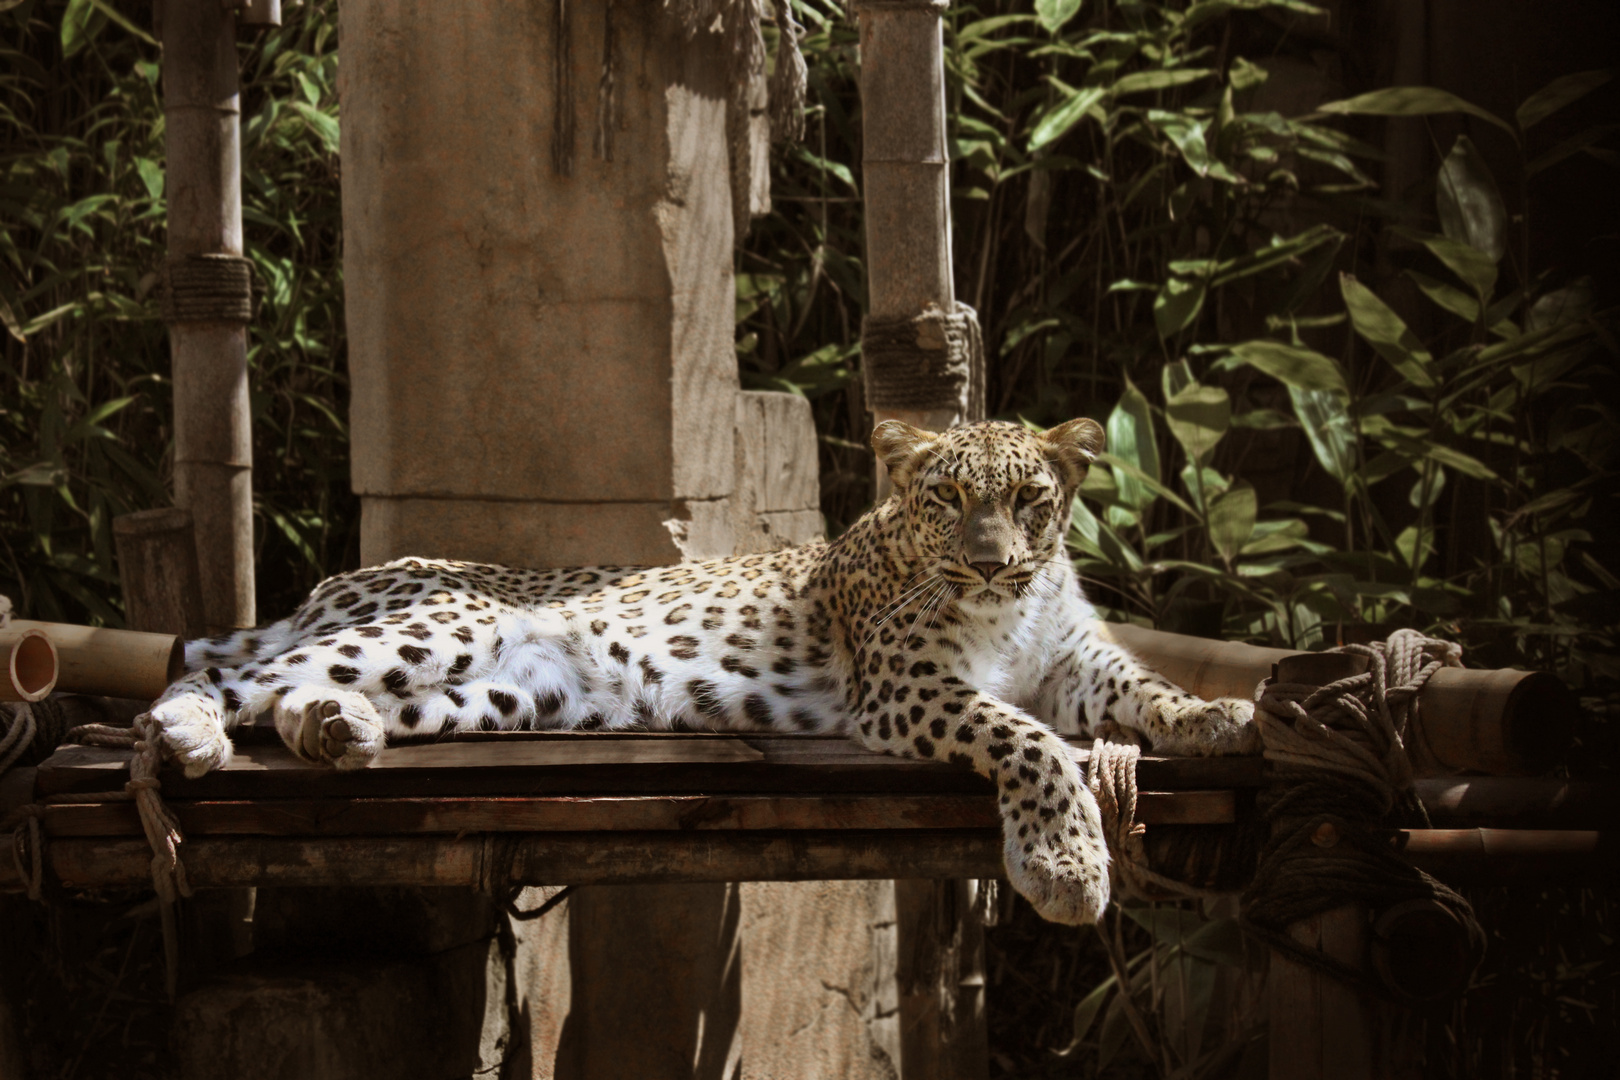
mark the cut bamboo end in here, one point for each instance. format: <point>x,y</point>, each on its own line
<point>1501,722</point>
<point>111,663</point>
<point>31,664</point>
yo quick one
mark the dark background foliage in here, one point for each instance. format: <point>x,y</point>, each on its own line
<point>1355,370</point>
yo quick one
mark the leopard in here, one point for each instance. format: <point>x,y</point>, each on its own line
<point>946,624</point>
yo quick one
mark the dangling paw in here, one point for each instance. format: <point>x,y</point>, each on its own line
<point>338,727</point>
<point>1061,868</point>
<point>191,731</point>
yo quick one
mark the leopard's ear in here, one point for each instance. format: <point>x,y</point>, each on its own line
<point>1074,446</point>
<point>899,446</point>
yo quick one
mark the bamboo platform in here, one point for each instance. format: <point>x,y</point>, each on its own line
<point>591,808</point>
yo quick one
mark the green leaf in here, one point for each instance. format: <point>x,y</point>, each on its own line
<point>1563,307</point>
<point>1138,81</point>
<point>1198,416</point>
<point>76,26</point>
<point>1279,252</point>
<point>1187,133</point>
<point>1473,266</point>
<point>1296,367</point>
<point>1569,147</point>
<point>1085,1014</point>
<point>1178,304</point>
<point>1453,299</point>
<point>1560,92</point>
<point>1131,441</point>
<point>1231,519</point>
<point>152,176</point>
<point>1242,74</point>
<point>1411,101</point>
<point>1381,328</point>
<point>1073,109</point>
<point>1469,203</point>
<point>322,124</point>
<point>1329,428</point>
<point>123,21</point>
<point>1054,13</point>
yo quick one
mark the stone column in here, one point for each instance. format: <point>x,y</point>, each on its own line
<point>539,356</point>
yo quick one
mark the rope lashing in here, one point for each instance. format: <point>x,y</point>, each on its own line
<point>499,856</point>
<point>208,288</point>
<point>929,361</point>
<point>1111,775</point>
<point>1342,790</point>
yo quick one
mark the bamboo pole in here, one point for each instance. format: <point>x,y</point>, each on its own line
<point>1500,722</point>
<point>111,663</point>
<point>208,302</point>
<point>905,164</point>
<point>31,663</point>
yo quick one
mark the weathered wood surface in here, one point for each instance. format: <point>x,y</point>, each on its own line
<point>554,858</point>
<point>570,763</point>
<point>698,855</point>
<point>157,566</point>
<point>608,813</point>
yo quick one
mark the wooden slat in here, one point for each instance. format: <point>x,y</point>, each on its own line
<point>355,817</point>
<point>551,859</point>
<point>580,764</point>
<point>589,858</point>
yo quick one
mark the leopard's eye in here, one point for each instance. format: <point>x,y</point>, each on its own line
<point>1029,493</point>
<point>947,493</point>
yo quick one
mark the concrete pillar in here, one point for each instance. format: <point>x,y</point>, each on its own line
<point>538,359</point>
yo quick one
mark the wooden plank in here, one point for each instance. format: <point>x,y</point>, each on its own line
<point>600,858</point>
<point>576,764</point>
<point>1318,1027</point>
<point>546,859</point>
<point>353,817</point>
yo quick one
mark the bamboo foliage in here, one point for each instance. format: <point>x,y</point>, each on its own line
<point>1147,245</point>
<point>84,383</point>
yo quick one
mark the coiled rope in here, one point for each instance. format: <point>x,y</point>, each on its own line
<point>1341,792</point>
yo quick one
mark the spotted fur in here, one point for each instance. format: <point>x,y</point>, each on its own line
<point>945,624</point>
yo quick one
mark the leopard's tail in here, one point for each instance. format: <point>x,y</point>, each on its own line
<point>238,647</point>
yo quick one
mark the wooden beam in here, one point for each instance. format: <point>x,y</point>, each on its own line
<point>596,858</point>
<point>607,814</point>
<point>540,763</point>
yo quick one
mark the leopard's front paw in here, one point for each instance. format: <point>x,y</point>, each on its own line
<point>1210,728</point>
<point>338,727</point>
<point>191,731</point>
<point>1061,868</point>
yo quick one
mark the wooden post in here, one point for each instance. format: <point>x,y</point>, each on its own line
<point>906,174</point>
<point>208,301</point>
<point>1319,1025</point>
<point>157,564</point>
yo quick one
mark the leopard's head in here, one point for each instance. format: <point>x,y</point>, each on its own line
<point>988,502</point>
